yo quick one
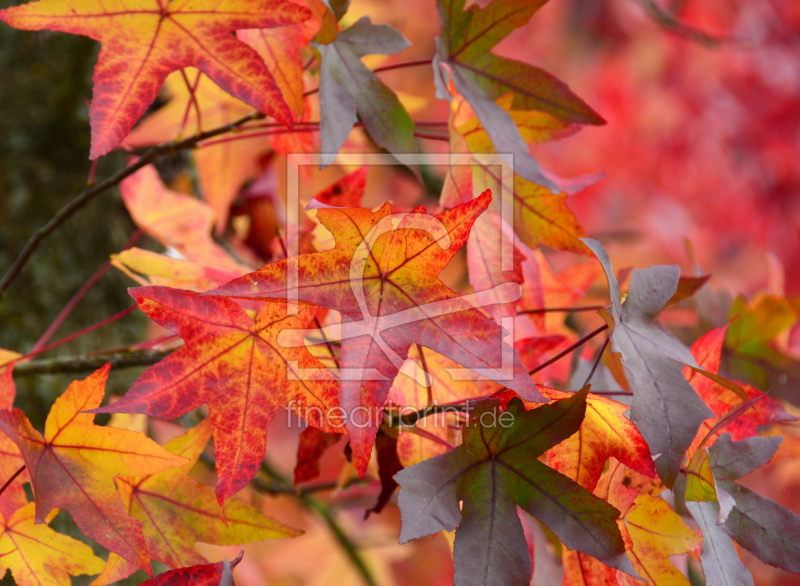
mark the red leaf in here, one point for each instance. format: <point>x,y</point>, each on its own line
<point>141,47</point>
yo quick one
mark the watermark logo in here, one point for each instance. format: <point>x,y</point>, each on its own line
<point>374,326</point>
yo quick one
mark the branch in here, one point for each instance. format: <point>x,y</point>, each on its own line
<point>90,193</point>
<point>90,363</point>
<point>350,548</point>
<point>670,21</point>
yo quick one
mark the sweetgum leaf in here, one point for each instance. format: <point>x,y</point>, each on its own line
<point>143,42</point>
<point>721,563</point>
<point>348,88</point>
<point>74,465</point>
<point>495,470</point>
<point>233,363</point>
<point>219,574</point>
<point>384,281</point>
<point>666,409</point>
<point>176,511</point>
<point>37,555</point>
<point>482,77</point>
<point>758,524</point>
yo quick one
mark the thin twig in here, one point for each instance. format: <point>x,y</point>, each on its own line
<point>347,544</point>
<point>597,361</point>
<point>558,309</point>
<point>670,21</point>
<point>80,294</point>
<point>569,350</point>
<point>90,363</point>
<point>90,193</point>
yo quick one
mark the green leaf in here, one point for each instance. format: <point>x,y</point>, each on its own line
<point>666,408</point>
<point>347,87</point>
<point>493,471</point>
<point>481,77</point>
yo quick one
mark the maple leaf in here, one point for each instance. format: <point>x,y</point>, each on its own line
<point>758,524</point>
<point>722,395</point>
<point>219,574</point>
<point>657,532</point>
<point>540,215</point>
<point>495,469</point>
<point>232,363</point>
<point>384,283</point>
<point>39,556</point>
<point>482,77</point>
<point>313,445</point>
<point>418,443</point>
<point>176,511</point>
<point>73,466</point>
<point>665,408</point>
<point>222,168</point>
<point>347,87</point>
<point>142,43</point>
<point>604,433</point>
<point>175,219</point>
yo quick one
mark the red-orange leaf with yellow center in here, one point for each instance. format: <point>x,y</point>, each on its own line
<point>143,41</point>
<point>383,280</point>
<point>235,365</point>
<point>176,512</point>
<point>74,465</point>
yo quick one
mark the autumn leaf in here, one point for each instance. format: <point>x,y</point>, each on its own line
<point>657,532</point>
<point>313,445</point>
<point>493,471</point>
<point>758,524</point>
<point>666,409</point>
<point>540,214</point>
<point>37,555</point>
<point>388,465</point>
<point>219,574</point>
<point>720,560</point>
<point>605,433</point>
<point>721,399</point>
<point>142,44</point>
<point>151,268</point>
<point>232,363</point>
<point>175,219</point>
<point>176,511</point>
<point>418,443</point>
<point>10,457</point>
<point>74,465</point>
<point>481,77</point>
<point>222,168</point>
<point>384,283</point>
<point>348,88</point>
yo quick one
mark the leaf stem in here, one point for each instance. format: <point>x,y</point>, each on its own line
<point>597,361</point>
<point>12,479</point>
<point>569,350</point>
<point>564,309</point>
<point>80,294</point>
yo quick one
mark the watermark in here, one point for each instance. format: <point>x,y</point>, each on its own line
<point>374,326</point>
<point>404,417</point>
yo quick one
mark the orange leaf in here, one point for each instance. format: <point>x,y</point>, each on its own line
<point>141,45</point>
<point>234,364</point>
<point>176,511</point>
<point>657,532</point>
<point>383,280</point>
<point>174,219</point>
<point>37,555</point>
<point>73,466</point>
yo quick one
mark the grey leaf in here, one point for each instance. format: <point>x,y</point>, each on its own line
<point>731,460</point>
<point>721,563</point>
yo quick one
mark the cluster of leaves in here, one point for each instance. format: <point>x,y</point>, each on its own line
<point>349,323</point>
